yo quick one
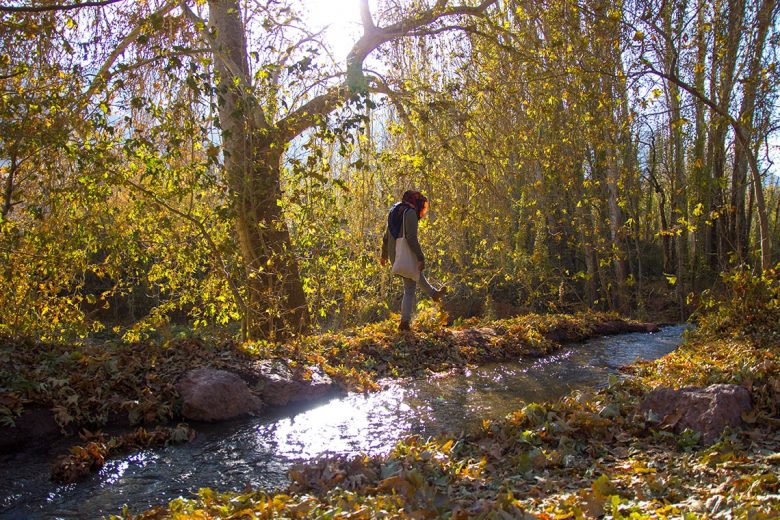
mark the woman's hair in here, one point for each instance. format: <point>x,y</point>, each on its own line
<point>416,200</point>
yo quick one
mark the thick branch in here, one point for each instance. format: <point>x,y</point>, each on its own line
<point>306,116</point>
<point>431,15</point>
<point>738,130</point>
<point>13,75</point>
<point>54,7</point>
<point>374,36</point>
<point>365,15</point>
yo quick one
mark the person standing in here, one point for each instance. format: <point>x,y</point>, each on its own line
<point>402,221</point>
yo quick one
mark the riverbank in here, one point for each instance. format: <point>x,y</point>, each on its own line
<point>586,455</point>
<point>50,390</point>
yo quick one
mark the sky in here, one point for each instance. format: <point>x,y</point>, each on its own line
<point>342,18</point>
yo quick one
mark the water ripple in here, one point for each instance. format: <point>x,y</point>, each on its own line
<point>257,452</point>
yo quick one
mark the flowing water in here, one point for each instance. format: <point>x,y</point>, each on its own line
<point>258,451</point>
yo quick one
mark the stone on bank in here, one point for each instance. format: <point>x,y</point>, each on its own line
<point>210,395</point>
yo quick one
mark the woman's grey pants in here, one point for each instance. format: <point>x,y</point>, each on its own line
<point>407,302</point>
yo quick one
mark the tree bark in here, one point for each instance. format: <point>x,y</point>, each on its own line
<point>8,191</point>
<point>276,304</point>
<point>738,227</point>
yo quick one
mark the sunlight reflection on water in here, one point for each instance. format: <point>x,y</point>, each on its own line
<point>342,426</point>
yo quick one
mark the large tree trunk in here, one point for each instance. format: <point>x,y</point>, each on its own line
<point>739,228</point>
<point>730,37</point>
<point>276,304</point>
<point>673,24</point>
<point>700,185</point>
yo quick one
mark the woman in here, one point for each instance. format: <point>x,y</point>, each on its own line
<point>402,222</point>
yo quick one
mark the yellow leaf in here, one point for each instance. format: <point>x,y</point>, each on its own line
<point>603,487</point>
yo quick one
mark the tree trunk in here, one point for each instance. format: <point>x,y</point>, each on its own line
<point>700,186</point>
<point>276,304</point>
<point>673,22</point>
<point>732,35</point>
<point>616,223</point>
<point>738,228</point>
<point>8,191</point>
<point>777,210</point>
<point>614,137</point>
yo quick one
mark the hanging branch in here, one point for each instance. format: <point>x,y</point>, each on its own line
<point>103,75</point>
<point>54,7</point>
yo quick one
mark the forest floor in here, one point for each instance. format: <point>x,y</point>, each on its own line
<point>587,455</point>
<point>89,385</point>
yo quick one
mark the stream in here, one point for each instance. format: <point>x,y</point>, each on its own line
<point>258,451</point>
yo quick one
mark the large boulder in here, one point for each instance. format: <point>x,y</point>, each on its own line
<point>279,385</point>
<point>215,395</point>
<point>705,410</point>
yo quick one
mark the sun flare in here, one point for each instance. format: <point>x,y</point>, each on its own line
<point>340,18</point>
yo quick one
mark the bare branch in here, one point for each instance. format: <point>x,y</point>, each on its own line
<point>162,56</point>
<point>306,115</point>
<point>365,16</point>
<point>55,7</point>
